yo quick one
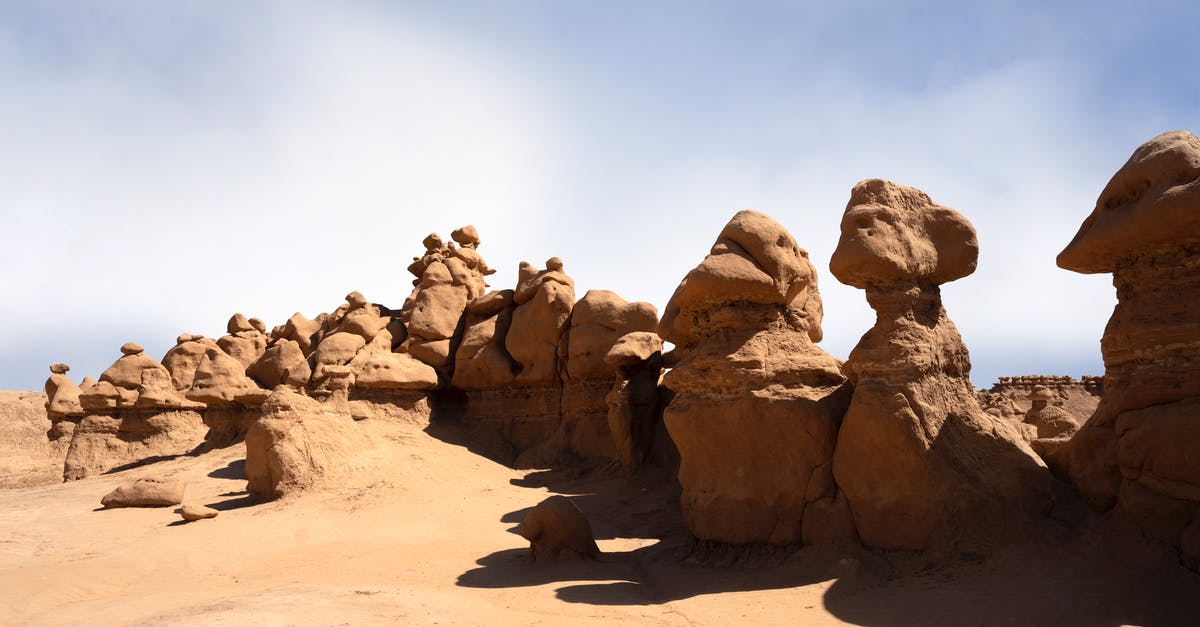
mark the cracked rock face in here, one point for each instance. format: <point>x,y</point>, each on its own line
<point>756,403</point>
<point>1137,452</point>
<point>917,459</point>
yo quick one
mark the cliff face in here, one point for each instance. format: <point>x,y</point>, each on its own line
<point>1137,453</point>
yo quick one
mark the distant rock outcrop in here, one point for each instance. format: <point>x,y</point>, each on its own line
<point>756,403</point>
<point>1137,455</point>
<point>920,463</point>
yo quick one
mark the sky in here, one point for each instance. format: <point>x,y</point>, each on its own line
<point>164,165</point>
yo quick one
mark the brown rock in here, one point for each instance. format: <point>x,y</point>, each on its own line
<point>920,464</point>
<point>245,342</point>
<point>1049,420</point>
<point>299,440</point>
<point>62,395</point>
<point>305,332</point>
<point>1136,452</point>
<point>336,349</point>
<point>395,371</point>
<point>283,363</point>
<point>104,440</point>
<point>192,512</point>
<point>183,359</point>
<point>543,302</point>
<point>633,400</point>
<point>756,404</point>
<point>146,493</point>
<point>482,361</point>
<point>220,379</point>
<point>362,318</point>
<point>126,372</point>
<point>556,529</point>
<point>157,391</point>
<point>598,320</point>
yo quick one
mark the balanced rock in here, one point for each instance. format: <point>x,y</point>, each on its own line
<point>146,493</point>
<point>756,403</point>
<point>126,372</point>
<point>62,395</point>
<point>920,463</point>
<point>556,529</point>
<point>245,342</point>
<point>1137,452</point>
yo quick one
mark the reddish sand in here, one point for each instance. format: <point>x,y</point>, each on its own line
<point>422,534</point>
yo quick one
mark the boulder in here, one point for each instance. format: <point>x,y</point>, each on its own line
<point>557,529</point>
<point>283,363</point>
<point>145,493</point>
<point>543,301</point>
<point>336,349</point>
<point>598,320</point>
<point>183,359</point>
<point>245,342</point>
<point>921,465</point>
<point>221,379</point>
<point>62,395</point>
<point>192,512</point>
<point>756,404</point>
<point>126,372</point>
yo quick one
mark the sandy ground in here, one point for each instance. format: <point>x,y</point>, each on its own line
<point>423,535</point>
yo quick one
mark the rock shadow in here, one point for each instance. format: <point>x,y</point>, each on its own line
<point>235,469</point>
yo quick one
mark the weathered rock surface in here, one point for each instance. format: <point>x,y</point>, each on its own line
<point>298,440</point>
<point>146,493</point>
<point>543,301</point>
<point>1137,452</point>
<point>62,395</point>
<point>482,361</point>
<point>246,342</point>
<point>633,402</point>
<point>921,465</point>
<point>104,440</point>
<point>556,529</point>
<point>756,404</point>
<point>183,359</point>
<point>283,363</point>
<point>193,512</point>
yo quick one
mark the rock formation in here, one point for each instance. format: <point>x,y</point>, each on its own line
<point>920,463</point>
<point>1051,421</point>
<point>298,440</point>
<point>543,301</point>
<point>183,359</point>
<point>232,397</point>
<point>556,529</point>
<point>245,342</point>
<point>633,402</point>
<point>62,402</point>
<point>756,403</point>
<point>146,493</point>
<point>132,413</point>
<point>482,362</point>
<point>1136,455</point>
<point>192,512</point>
<point>596,322</point>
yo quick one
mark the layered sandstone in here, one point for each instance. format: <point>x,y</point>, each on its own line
<point>756,403</point>
<point>1136,454</point>
<point>920,463</point>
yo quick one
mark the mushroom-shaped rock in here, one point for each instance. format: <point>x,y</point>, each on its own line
<point>555,529</point>
<point>126,372</point>
<point>756,403</point>
<point>1050,421</point>
<point>283,363</point>
<point>633,400</point>
<point>146,493</point>
<point>914,438</point>
<point>183,359</point>
<point>62,395</point>
<point>1137,451</point>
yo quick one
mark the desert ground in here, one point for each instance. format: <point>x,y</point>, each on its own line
<point>420,531</point>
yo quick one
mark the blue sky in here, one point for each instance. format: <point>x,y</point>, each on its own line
<point>167,164</point>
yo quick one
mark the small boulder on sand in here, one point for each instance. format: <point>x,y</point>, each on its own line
<point>556,528</point>
<point>192,512</point>
<point>145,493</point>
